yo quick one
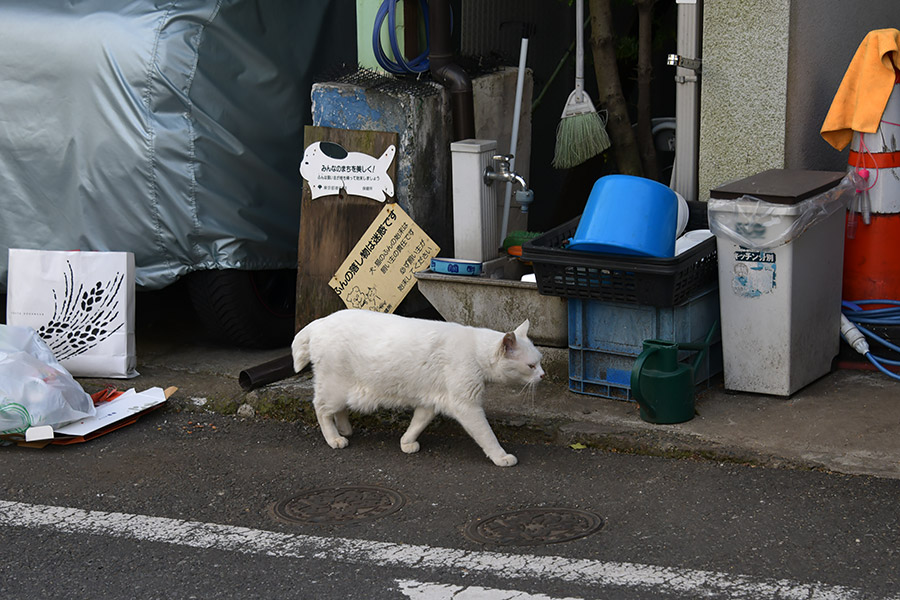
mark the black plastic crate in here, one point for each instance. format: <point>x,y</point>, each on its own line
<point>619,278</point>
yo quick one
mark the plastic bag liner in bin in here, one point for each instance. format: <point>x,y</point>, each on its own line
<point>756,224</point>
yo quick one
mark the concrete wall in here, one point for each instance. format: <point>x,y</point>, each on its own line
<point>770,71</point>
<point>824,37</point>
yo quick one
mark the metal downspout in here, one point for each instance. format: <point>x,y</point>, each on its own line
<point>687,102</point>
<point>449,74</point>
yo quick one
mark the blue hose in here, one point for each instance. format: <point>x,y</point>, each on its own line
<point>880,317</point>
<point>419,64</point>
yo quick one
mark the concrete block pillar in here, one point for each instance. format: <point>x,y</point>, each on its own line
<point>743,90</point>
<point>420,115</point>
<point>419,112</point>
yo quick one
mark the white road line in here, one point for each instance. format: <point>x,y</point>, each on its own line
<point>590,573</point>
<point>417,590</point>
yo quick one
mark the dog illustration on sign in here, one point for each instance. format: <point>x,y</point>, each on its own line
<point>329,168</point>
<point>369,300</point>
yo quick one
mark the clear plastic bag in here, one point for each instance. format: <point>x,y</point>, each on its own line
<point>756,224</point>
<point>34,388</point>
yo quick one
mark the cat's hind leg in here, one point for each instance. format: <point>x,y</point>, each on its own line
<point>342,421</point>
<point>420,420</point>
<point>475,423</point>
<point>329,430</point>
<point>329,403</point>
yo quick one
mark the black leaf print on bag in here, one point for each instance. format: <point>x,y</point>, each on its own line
<point>82,319</point>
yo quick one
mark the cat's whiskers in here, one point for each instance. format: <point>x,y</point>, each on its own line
<point>529,390</point>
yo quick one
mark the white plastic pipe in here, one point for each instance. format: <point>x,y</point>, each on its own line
<point>853,336</point>
<point>514,140</point>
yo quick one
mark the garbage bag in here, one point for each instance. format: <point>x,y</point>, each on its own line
<point>34,388</point>
<point>756,224</point>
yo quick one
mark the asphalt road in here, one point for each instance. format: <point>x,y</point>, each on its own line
<point>182,506</point>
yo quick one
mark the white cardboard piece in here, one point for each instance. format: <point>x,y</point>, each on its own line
<point>41,432</point>
<point>128,404</point>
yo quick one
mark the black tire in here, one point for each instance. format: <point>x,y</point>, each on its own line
<point>249,309</point>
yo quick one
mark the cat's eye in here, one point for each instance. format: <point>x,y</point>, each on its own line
<point>532,366</point>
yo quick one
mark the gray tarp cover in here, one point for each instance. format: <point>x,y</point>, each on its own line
<point>172,130</point>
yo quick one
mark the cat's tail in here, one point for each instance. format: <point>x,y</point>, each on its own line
<point>300,349</point>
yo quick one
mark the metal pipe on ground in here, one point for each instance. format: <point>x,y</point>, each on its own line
<point>266,373</point>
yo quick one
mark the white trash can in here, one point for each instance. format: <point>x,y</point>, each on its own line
<point>780,242</point>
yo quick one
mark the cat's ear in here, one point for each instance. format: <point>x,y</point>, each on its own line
<point>509,342</point>
<point>522,330</point>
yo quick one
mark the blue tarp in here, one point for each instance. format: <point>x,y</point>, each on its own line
<point>172,130</point>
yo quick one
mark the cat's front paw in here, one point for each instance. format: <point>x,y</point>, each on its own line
<point>410,448</point>
<point>338,442</point>
<point>507,460</point>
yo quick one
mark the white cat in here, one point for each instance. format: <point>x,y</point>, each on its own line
<point>364,360</point>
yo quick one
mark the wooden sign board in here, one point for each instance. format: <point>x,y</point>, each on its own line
<point>330,226</point>
<point>379,272</point>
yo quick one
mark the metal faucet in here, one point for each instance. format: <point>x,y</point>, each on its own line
<point>502,172</point>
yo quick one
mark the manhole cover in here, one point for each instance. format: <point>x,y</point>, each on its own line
<point>326,506</point>
<point>534,527</point>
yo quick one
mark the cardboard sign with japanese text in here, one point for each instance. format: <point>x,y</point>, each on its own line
<point>380,270</point>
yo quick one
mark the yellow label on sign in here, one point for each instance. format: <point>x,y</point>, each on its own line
<point>379,272</point>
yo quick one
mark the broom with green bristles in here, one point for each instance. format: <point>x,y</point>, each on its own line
<point>581,133</point>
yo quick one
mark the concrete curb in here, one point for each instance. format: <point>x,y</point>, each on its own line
<point>553,416</point>
<point>845,422</point>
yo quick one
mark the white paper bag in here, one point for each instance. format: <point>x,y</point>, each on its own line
<point>80,303</point>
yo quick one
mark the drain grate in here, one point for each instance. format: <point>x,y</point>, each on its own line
<point>331,506</point>
<point>534,527</point>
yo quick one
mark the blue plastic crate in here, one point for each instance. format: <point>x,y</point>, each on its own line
<point>605,338</point>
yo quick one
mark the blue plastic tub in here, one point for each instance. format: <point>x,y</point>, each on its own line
<point>628,215</point>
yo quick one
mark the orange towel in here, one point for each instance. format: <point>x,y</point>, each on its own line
<point>865,89</point>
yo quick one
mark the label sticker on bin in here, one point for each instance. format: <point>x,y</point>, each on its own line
<point>754,273</point>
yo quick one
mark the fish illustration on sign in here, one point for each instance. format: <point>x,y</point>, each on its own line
<point>330,168</point>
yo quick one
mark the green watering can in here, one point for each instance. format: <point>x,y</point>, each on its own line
<point>664,387</point>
